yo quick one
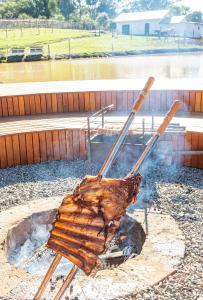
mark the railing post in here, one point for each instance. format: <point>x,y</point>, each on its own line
<point>143,131</point>
<point>102,119</point>
<point>89,152</point>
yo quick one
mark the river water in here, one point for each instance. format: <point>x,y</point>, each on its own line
<point>160,66</point>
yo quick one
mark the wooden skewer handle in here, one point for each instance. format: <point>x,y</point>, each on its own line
<point>174,108</point>
<point>143,94</point>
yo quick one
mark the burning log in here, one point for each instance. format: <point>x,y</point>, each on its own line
<point>89,217</point>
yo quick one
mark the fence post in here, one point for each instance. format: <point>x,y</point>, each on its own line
<point>69,47</point>
<point>49,52</point>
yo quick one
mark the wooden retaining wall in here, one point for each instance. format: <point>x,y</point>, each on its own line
<point>187,141</point>
<point>36,147</point>
<point>70,144</point>
<point>158,101</point>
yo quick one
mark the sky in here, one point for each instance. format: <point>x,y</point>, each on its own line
<point>194,4</point>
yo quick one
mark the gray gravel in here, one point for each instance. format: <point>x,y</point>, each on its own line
<point>177,191</point>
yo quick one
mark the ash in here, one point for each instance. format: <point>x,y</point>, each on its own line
<point>174,190</point>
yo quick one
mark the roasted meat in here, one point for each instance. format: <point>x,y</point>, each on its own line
<point>88,218</point>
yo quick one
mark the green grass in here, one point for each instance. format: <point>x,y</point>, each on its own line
<point>82,41</point>
<point>34,36</point>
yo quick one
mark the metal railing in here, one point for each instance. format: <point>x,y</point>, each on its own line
<point>101,113</point>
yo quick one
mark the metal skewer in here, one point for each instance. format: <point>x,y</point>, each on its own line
<point>104,169</point>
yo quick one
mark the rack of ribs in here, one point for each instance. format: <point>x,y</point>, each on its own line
<point>87,219</point>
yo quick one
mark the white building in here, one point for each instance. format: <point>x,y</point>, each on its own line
<point>157,21</point>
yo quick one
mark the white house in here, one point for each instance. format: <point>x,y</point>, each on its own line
<point>153,22</point>
<point>140,23</point>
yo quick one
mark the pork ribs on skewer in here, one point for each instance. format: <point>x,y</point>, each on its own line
<point>87,219</point>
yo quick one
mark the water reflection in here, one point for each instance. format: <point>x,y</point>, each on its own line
<point>168,66</point>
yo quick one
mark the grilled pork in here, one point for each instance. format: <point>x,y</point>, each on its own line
<point>88,218</point>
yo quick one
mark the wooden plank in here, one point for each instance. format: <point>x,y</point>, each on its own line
<point>202,103</point>
<point>43,103</point>
<point>181,146</point>
<point>10,106</point>
<point>9,151</point>
<point>62,144</point>
<point>130,100</point>
<point>192,100</point>
<point>4,107</point>
<point>49,103</point>
<point>16,111</point>
<point>87,101</point>
<point>200,147</point>
<point>21,105</point>
<point>56,148</point>
<point>103,99</point>
<point>16,150</point>
<point>119,97</point>
<point>188,146</point>
<point>76,102</point>
<point>81,102</point>
<point>42,146</point>
<point>3,156</point>
<point>163,101</point>
<point>83,148</point>
<point>92,101</point>
<point>54,103</point>
<point>23,149</point>
<point>69,144</point>
<point>125,101</point>
<point>109,98</point>
<point>1,112</point>
<point>36,148</point>
<point>198,101</point>
<point>49,143</point>
<point>32,105</point>
<point>27,104</point>
<point>29,147</point>
<point>70,102</point>
<point>60,102</point>
<point>186,96</point>
<point>65,102</point>
<point>38,104</point>
<point>114,99</point>
<point>195,147</point>
<point>76,144</point>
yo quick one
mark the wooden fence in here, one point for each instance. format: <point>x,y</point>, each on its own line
<point>70,144</point>
<point>158,101</point>
<point>36,147</point>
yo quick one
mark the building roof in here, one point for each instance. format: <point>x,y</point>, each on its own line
<point>140,16</point>
<point>173,20</point>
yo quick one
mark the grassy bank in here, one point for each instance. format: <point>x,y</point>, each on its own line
<point>61,41</point>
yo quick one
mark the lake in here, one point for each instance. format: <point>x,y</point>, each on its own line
<point>160,66</point>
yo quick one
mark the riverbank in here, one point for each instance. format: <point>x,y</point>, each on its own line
<point>65,44</point>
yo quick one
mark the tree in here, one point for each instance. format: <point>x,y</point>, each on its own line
<point>66,8</point>
<point>195,16</point>
<point>142,5</point>
<point>103,20</point>
<point>107,6</point>
<point>92,7</point>
<point>179,10</point>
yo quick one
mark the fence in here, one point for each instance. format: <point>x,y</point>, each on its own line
<point>43,23</point>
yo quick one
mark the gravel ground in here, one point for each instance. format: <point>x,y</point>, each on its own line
<point>175,190</point>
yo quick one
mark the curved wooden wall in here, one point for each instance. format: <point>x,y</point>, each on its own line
<point>158,101</point>
<point>70,144</point>
<point>36,147</point>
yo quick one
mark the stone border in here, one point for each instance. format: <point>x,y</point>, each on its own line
<point>162,253</point>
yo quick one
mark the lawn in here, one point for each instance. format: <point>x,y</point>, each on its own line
<point>37,36</point>
<point>82,41</point>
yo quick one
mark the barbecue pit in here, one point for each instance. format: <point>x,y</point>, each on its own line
<point>160,255</point>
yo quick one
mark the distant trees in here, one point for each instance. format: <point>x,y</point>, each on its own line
<point>141,5</point>
<point>60,9</point>
<point>195,16</point>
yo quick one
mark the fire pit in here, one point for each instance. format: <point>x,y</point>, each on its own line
<point>158,256</point>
